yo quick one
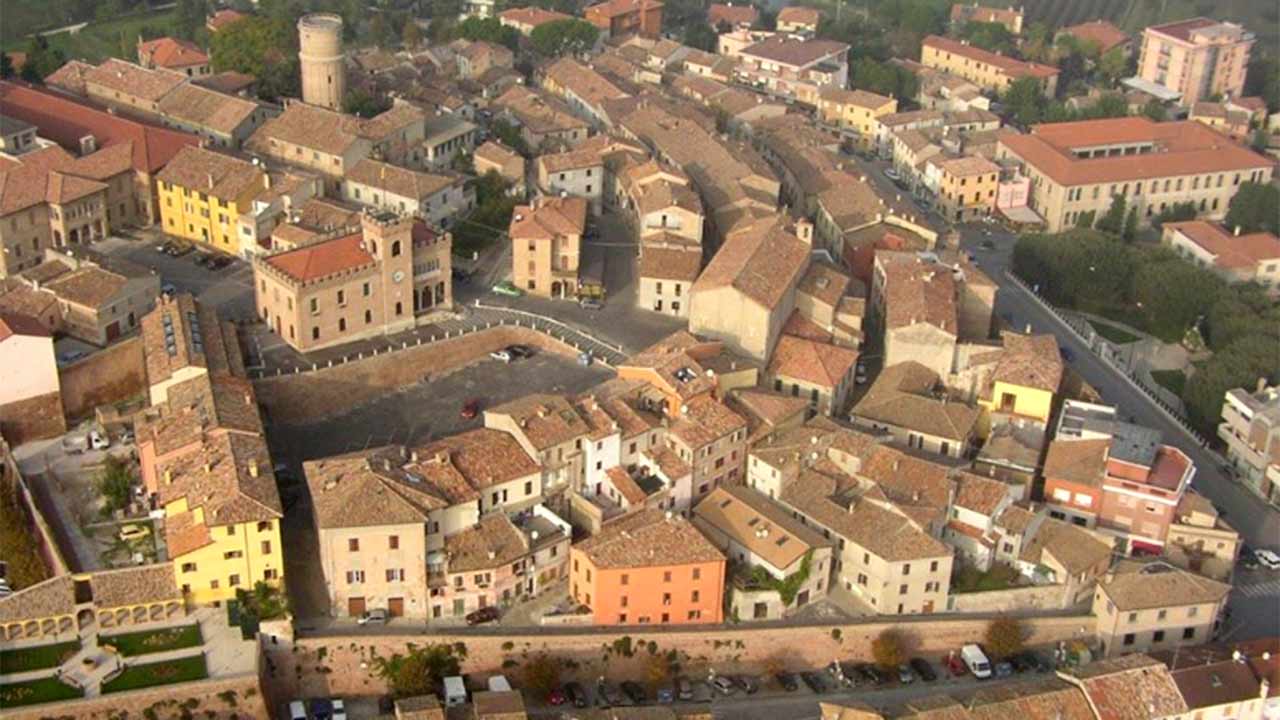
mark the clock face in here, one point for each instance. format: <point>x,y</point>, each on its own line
<point>397,276</point>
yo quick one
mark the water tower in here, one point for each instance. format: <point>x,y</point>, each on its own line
<point>324,80</point>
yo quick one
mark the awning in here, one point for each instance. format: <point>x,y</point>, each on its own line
<point>1023,215</point>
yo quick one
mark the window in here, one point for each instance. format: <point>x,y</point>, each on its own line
<point>666,576</point>
<point>1133,618</point>
<point>266,547</point>
<point>315,306</point>
<point>902,589</point>
<point>188,567</point>
<point>933,566</point>
<point>1189,634</point>
<point>270,574</point>
<point>395,249</point>
<point>666,598</point>
<point>353,545</point>
<point>264,526</point>
<point>697,573</point>
<point>1193,611</point>
<point>393,542</point>
<point>213,584</point>
<point>366,290</point>
<point>1161,614</point>
<point>906,569</point>
<point>315,333</point>
<point>232,555</point>
<point>395,574</point>
<point>233,581</point>
<point>1157,636</point>
<point>626,579</point>
<point>1128,639</point>
<point>695,596</point>
<point>342,298</point>
<point>355,576</point>
<point>624,601</point>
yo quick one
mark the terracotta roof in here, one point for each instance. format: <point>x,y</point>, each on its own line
<point>12,323</point>
<point>134,586</point>
<point>199,339</point>
<point>1073,547</point>
<point>1010,66</point>
<point>47,175</point>
<point>89,286</point>
<point>732,14</point>
<point>706,421</point>
<point>1132,687</point>
<point>670,261</point>
<point>554,217</point>
<point>968,166</point>
<point>818,363</point>
<point>961,12</point>
<point>750,519</point>
<point>762,262</point>
<point>469,550</point>
<point>327,131</point>
<point>70,77</point>
<point>223,18</point>
<point>532,16</point>
<point>208,108</point>
<point>1099,32</point>
<point>1142,585</point>
<point>496,153</point>
<point>768,407</point>
<point>65,121</point>
<point>797,53</point>
<point>856,98</point>
<point>322,259</point>
<point>221,478</point>
<point>799,15</point>
<point>903,395</point>
<point>1082,462</point>
<point>371,488</point>
<point>1031,361</point>
<point>134,80</point>
<point>668,462</point>
<point>588,85</point>
<point>168,52</point>
<point>1180,148</point>
<point>825,282</point>
<point>979,494</point>
<point>918,291</point>
<point>1182,29</point>
<point>648,539</point>
<point>545,420</point>
<point>1016,520</point>
<point>537,111</point>
<point>615,8</point>
<point>1229,251</point>
<point>404,182</point>
<point>230,81</point>
<point>478,459</point>
<point>222,176</point>
<point>1216,684</point>
<point>50,598</point>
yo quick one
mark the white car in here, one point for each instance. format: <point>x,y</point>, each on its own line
<point>99,441</point>
<point>339,709</point>
<point>1267,559</point>
<point>502,355</point>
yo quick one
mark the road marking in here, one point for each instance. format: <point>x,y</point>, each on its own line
<point>1261,589</point>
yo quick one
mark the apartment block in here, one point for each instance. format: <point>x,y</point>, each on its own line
<point>1201,541</point>
<point>1196,58</point>
<point>989,70</point>
<point>792,67</point>
<point>853,112</point>
<point>436,198</point>
<point>649,569</point>
<point>1076,168</point>
<point>348,285</point>
<point>618,18</point>
<point>546,243</point>
<point>1232,256</point>
<point>203,193</point>
<point>1250,428</point>
<point>1152,605</point>
<point>967,187</point>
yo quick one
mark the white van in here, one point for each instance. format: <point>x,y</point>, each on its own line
<point>499,683</point>
<point>297,710</point>
<point>455,691</point>
<point>976,661</point>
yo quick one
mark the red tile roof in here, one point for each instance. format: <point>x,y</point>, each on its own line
<point>732,14</point>
<point>167,52</point>
<point>323,258</point>
<point>1012,67</point>
<point>1229,251</point>
<point>65,121</point>
<point>799,15</point>
<point>1100,32</point>
<point>223,18</point>
<point>15,324</point>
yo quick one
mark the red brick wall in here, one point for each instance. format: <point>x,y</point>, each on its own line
<point>105,377</point>
<point>32,419</point>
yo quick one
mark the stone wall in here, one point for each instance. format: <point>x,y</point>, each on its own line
<point>310,396</point>
<point>34,418</point>
<point>345,664</point>
<point>212,699</point>
<point>107,376</point>
<point>1023,599</point>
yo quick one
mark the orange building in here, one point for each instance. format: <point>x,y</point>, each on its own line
<point>649,568</point>
<point>618,18</point>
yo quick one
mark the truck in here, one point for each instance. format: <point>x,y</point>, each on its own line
<point>455,691</point>
<point>976,661</point>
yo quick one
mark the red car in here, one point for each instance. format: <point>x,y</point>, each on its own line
<point>954,665</point>
<point>471,408</point>
<point>556,697</point>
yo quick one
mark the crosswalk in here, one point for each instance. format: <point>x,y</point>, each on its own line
<point>1260,589</point>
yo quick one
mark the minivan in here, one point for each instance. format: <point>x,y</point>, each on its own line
<point>976,661</point>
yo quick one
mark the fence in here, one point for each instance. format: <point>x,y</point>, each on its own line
<point>1107,352</point>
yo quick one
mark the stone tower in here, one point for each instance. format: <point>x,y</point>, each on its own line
<point>324,80</point>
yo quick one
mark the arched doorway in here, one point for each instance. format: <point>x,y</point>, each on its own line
<point>557,290</point>
<point>84,619</point>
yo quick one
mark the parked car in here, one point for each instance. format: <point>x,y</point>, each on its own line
<point>168,289</point>
<point>607,694</point>
<point>459,275</point>
<point>202,259</point>
<point>954,665</point>
<point>471,408</point>
<point>482,616</point>
<point>99,440</point>
<point>976,661</point>
<point>873,674</point>
<point>322,709</point>
<point>860,375</point>
<point>178,249</point>
<point>787,681</point>
<point>519,352</point>
<point>684,690</point>
<point>501,355</point>
<point>507,288</point>
<point>892,174</point>
<point>220,261</point>
<point>666,696</point>
<point>297,710</point>
<point>588,303</point>
<point>1066,354</point>
<point>163,248</point>
<point>906,675</point>
<point>987,245</point>
<point>576,694</point>
<point>1003,669</point>
<point>1267,558</point>
<point>556,697</point>
<point>634,692</point>
<point>339,709</point>
<point>722,685</point>
<point>134,532</point>
<point>747,683</point>
<point>70,356</point>
<point>923,669</point>
<point>376,616</point>
<point>814,682</point>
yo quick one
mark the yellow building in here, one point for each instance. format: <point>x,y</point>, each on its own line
<point>222,517</point>
<point>1026,377</point>
<point>854,111</point>
<point>967,187</point>
<point>203,193</point>
<point>990,70</point>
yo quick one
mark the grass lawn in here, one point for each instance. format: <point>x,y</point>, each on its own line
<point>44,690</point>
<point>38,657</point>
<point>99,40</point>
<point>1113,333</point>
<point>1171,380</point>
<point>137,677</point>
<point>152,641</point>
<point>968,578</point>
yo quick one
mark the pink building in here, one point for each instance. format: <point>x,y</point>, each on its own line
<point>1198,58</point>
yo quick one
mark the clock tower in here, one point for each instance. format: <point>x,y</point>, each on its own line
<point>388,237</point>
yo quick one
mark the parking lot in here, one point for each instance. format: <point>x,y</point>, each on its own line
<point>416,415</point>
<point>230,289</point>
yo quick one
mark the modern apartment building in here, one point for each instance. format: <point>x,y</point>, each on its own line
<point>649,568</point>
<point>1077,167</point>
<point>989,70</point>
<point>1250,428</point>
<point>1153,605</point>
<point>354,283</point>
<point>618,18</point>
<point>1196,58</point>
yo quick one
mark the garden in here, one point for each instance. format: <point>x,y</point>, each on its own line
<point>136,677</point>
<point>32,692</point>
<point>154,641</point>
<point>38,657</point>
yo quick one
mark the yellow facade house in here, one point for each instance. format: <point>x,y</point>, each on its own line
<point>222,517</point>
<point>1025,379</point>
<point>854,111</point>
<point>203,193</point>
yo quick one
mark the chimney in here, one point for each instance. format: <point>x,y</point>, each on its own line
<point>168,476</point>
<point>1236,232</point>
<point>253,467</point>
<point>804,231</point>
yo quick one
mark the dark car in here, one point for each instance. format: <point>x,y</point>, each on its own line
<point>607,694</point>
<point>519,352</point>
<point>322,709</point>
<point>471,408</point>
<point>574,693</point>
<point>202,259</point>
<point>787,681</point>
<point>814,682</point>
<point>460,275</point>
<point>482,616</point>
<point>987,245</point>
<point>747,683</point>
<point>1021,663</point>
<point>1067,355</point>
<point>1029,661</point>
<point>178,249</point>
<point>556,697</point>
<point>1004,669</point>
<point>634,692</point>
<point>923,669</point>
<point>219,262</point>
<point>873,674</point>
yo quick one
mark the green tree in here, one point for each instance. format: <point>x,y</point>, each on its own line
<point>41,61</point>
<point>1241,310</point>
<point>1130,224</point>
<point>542,673</point>
<point>890,648</point>
<point>1254,208</point>
<point>263,47</point>
<point>411,34</point>
<point>1178,212</point>
<point>1112,221</point>
<point>1113,65</point>
<point>114,483</point>
<point>1005,636</point>
<point>989,36</point>
<point>6,66</point>
<point>1259,140</point>
<point>365,105</point>
<point>509,135</point>
<point>884,78</point>
<point>1172,293</point>
<point>489,30</point>
<point>1155,110</point>
<point>1024,99</point>
<point>563,37</point>
<point>700,36</point>
<point>1240,364</point>
<point>421,670</point>
<point>1037,44</point>
<point>189,17</point>
<point>1085,219</point>
<point>1262,78</point>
